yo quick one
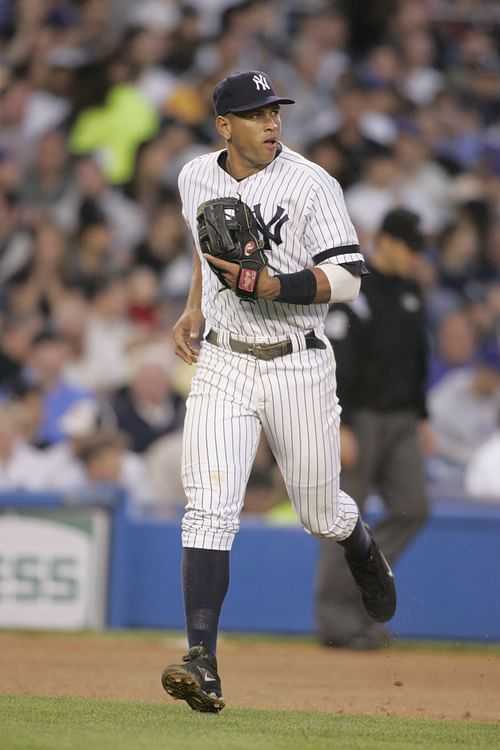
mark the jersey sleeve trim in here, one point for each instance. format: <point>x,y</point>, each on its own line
<point>358,268</point>
<point>342,254</point>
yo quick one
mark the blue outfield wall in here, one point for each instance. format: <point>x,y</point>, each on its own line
<point>448,579</point>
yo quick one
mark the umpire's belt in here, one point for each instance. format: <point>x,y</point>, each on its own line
<point>267,351</point>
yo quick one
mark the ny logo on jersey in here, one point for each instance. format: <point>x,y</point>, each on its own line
<point>279,218</point>
<point>261,82</point>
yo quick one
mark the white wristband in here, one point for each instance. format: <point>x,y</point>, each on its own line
<point>344,286</point>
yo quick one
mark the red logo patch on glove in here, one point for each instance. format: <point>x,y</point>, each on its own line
<point>249,248</point>
<point>247,280</point>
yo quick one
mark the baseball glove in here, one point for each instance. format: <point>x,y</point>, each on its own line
<point>227,229</point>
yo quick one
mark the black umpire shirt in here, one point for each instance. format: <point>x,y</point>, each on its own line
<point>380,346</point>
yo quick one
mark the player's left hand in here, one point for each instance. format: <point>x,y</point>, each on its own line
<point>229,270</point>
<point>268,286</point>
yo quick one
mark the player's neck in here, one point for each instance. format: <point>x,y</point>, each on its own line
<point>237,167</point>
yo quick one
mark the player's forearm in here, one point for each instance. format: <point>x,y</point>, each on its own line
<point>318,288</point>
<point>193,301</point>
<point>312,286</point>
<point>323,287</point>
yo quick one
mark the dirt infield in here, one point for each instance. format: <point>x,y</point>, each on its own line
<point>257,674</point>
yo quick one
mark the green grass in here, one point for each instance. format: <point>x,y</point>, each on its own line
<point>32,723</point>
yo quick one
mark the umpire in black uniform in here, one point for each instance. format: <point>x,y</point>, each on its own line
<point>381,352</point>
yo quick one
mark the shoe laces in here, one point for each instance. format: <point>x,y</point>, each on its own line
<point>195,652</point>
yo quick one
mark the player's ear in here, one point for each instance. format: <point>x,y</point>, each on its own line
<point>223,125</point>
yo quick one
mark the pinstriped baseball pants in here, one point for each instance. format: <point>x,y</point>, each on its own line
<point>293,399</point>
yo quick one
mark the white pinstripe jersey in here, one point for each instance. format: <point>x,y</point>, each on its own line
<point>300,209</point>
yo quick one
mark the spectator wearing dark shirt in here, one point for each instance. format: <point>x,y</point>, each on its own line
<point>15,346</point>
<point>148,408</point>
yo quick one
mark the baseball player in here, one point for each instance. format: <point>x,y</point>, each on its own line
<point>274,246</point>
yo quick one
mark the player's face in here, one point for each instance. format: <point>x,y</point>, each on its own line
<point>252,137</point>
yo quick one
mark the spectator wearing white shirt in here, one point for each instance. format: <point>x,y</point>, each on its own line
<point>22,467</point>
<point>482,473</point>
<point>424,186</point>
<point>463,409</point>
<point>103,364</point>
<point>370,199</point>
<point>95,452</point>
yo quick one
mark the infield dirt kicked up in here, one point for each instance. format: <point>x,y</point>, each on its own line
<point>457,684</point>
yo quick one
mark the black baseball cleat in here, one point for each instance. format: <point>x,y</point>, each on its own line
<point>375,581</point>
<point>196,681</point>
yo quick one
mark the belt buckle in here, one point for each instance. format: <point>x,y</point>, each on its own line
<point>262,351</point>
<point>270,351</point>
<point>265,351</point>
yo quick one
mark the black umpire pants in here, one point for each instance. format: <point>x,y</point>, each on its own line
<point>390,464</point>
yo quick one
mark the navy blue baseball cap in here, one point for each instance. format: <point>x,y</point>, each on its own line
<point>241,92</point>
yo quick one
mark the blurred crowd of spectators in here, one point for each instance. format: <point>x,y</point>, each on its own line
<point>103,101</point>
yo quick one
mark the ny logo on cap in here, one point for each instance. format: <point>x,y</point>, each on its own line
<point>261,82</point>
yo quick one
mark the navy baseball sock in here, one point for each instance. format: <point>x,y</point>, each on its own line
<point>205,578</point>
<point>357,545</point>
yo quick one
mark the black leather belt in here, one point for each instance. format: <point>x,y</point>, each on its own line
<point>267,351</point>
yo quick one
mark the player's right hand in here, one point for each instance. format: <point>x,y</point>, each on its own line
<point>185,333</point>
